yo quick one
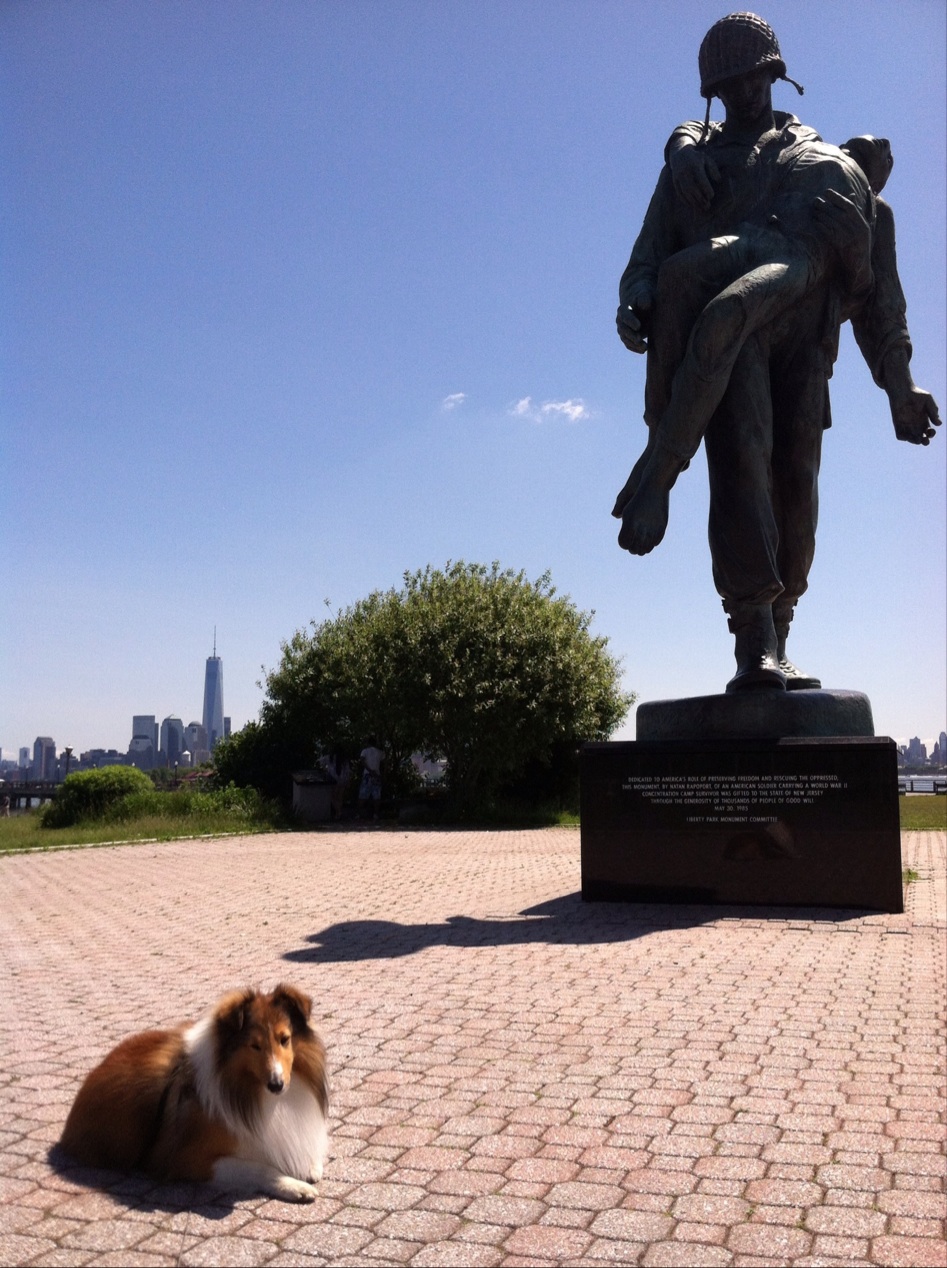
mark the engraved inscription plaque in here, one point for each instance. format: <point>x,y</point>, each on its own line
<point>787,822</point>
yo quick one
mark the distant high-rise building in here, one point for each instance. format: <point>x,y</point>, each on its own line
<point>44,758</point>
<point>93,758</point>
<point>195,738</point>
<point>24,758</point>
<point>143,749</point>
<point>172,740</point>
<point>214,698</point>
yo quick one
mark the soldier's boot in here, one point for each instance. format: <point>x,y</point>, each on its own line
<point>796,679</point>
<point>755,648</point>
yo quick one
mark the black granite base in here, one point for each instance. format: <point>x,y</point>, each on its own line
<point>787,822</point>
<point>756,715</point>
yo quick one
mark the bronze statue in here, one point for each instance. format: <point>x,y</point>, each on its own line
<point>760,240</point>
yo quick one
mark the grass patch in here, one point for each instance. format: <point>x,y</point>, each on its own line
<point>24,832</point>
<point>543,816</point>
<point>924,812</point>
<point>513,813</point>
<point>438,811</point>
<point>142,815</point>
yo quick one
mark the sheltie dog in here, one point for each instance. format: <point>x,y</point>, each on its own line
<point>237,1099</point>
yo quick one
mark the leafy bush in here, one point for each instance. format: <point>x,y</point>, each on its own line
<point>135,805</point>
<point>89,794</point>
<point>122,794</point>
<point>235,804</point>
<point>472,664</point>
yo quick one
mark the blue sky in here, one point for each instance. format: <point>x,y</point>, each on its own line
<point>300,296</point>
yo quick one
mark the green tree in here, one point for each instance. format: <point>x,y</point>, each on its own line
<point>472,664</point>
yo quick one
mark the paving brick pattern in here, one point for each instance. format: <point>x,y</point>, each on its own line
<point>518,1078</point>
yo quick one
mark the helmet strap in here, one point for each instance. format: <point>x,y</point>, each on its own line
<point>706,128</point>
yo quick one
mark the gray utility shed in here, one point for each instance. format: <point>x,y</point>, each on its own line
<point>312,796</point>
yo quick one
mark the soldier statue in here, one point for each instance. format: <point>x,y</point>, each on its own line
<point>759,241</point>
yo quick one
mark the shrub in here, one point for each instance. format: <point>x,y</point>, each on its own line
<point>239,805</point>
<point>89,794</point>
<point>135,805</point>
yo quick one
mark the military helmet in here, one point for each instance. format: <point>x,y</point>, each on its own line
<point>737,45</point>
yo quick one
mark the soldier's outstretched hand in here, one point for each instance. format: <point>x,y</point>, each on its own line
<point>915,416</point>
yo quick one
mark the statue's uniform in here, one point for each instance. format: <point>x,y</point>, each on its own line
<point>764,440</point>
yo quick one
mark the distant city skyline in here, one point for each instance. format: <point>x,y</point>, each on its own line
<point>171,743</point>
<point>163,744</point>
<point>152,743</point>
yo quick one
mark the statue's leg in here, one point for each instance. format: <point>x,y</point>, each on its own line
<point>645,517</point>
<point>718,335</point>
<point>800,392</point>
<point>754,637</point>
<point>630,487</point>
<point>685,282</point>
<point>742,526</point>
<point>742,306</point>
<point>796,679</point>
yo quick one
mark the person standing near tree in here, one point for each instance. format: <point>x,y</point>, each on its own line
<point>337,768</point>
<point>369,789</point>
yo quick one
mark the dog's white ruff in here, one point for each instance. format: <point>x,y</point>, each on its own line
<point>289,1133</point>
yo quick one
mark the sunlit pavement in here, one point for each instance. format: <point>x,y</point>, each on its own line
<point>517,1078</point>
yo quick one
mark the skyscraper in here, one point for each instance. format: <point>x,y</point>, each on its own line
<point>214,698</point>
<point>195,738</point>
<point>44,758</point>
<point>143,749</point>
<point>172,740</point>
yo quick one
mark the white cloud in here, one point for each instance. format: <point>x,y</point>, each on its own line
<point>452,401</point>
<point>573,410</point>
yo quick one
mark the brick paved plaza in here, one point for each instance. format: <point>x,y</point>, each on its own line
<point>517,1078</point>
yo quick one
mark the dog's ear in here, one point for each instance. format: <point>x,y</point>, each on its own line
<point>232,1012</point>
<point>298,1006</point>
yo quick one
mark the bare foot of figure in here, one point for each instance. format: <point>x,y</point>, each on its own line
<point>644,520</point>
<point>631,484</point>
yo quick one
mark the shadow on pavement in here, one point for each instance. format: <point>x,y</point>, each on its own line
<point>140,1192</point>
<point>564,921</point>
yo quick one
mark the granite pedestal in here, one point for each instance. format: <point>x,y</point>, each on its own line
<point>761,818</point>
<point>756,715</point>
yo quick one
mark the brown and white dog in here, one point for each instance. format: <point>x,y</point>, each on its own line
<point>237,1099</point>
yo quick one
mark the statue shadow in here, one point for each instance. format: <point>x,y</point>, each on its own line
<point>563,921</point>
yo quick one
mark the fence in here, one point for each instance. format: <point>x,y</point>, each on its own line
<point>923,784</point>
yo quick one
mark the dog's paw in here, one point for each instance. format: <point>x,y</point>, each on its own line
<point>291,1190</point>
